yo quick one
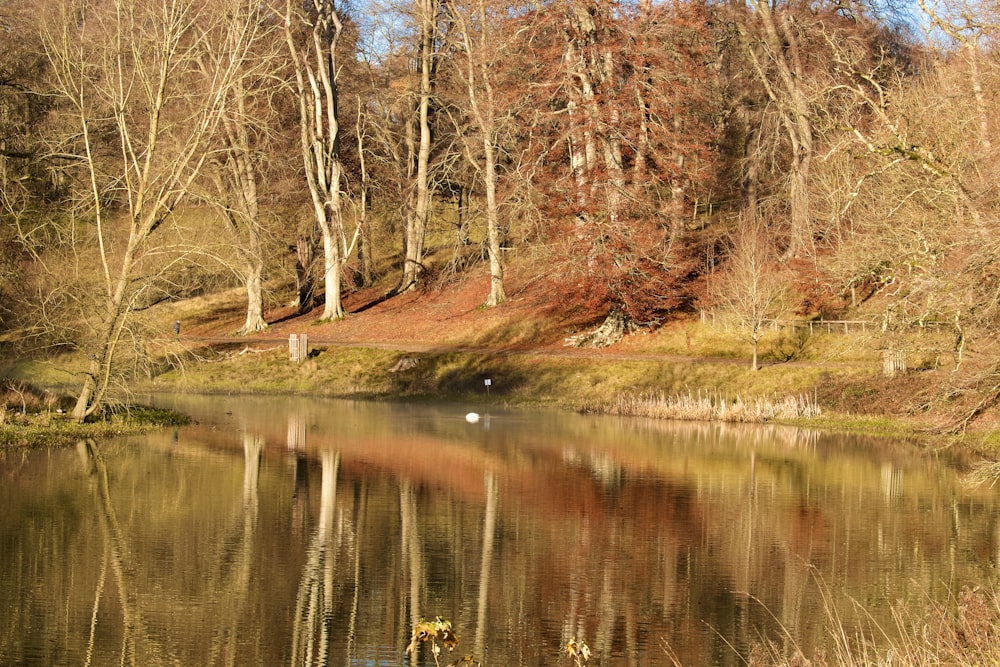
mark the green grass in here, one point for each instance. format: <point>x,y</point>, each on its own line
<point>35,417</point>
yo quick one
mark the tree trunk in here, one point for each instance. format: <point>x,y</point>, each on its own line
<point>782,49</point>
<point>416,223</point>
<point>365,260</point>
<point>305,285</point>
<point>333,308</point>
<point>236,183</point>
<point>316,74</point>
<point>80,410</point>
<point>612,330</point>
<point>497,292</point>
<point>255,299</point>
<point>98,376</point>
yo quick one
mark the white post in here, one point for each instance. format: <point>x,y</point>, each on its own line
<point>298,347</point>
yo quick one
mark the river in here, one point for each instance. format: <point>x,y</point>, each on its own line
<point>295,531</point>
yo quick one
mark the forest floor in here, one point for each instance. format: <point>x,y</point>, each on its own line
<point>445,315</point>
<point>452,317</point>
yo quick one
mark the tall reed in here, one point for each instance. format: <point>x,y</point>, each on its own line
<point>964,633</point>
<point>711,407</point>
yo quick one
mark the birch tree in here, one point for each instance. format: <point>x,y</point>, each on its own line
<point>123,72</point>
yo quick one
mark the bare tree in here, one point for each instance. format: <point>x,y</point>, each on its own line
<point>751,289</point>
<point>122,69</point>
<point>316,78</point>
<point>480,52</point>
<point>427,12</point>
<point>774,47</point>
<point>246,132</point>
<point>970,25</point>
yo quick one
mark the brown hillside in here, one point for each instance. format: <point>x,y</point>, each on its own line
<point>446,314</point>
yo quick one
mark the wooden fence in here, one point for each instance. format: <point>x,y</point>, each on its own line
<point>821,325</point>
<point>814,326</point>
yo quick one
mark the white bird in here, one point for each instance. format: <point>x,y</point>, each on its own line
<point>472,417</point>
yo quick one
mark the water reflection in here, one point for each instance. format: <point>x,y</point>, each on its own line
<point>318,533</point>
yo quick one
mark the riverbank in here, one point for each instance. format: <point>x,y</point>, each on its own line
<point>34,416</point>
<point>439,344</point>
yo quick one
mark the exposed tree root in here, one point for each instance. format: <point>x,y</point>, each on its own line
<point>612,330</point>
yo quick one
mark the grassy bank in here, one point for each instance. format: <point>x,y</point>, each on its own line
<point>827,397</point>
<point>523,378</point>
<point>35,417</point>
<point>833,380</point>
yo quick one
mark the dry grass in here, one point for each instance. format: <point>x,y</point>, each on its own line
<point>712,407</point>
<point>965,633</point>
<point>19,399</point>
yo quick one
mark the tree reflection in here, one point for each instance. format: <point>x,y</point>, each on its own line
<point>116,546</point>
<point>314,602</point>
<point>412,552</point>
<point>227,574</point>
<point>218,550</point>
<point>237,588</point>
<point>489,534</point>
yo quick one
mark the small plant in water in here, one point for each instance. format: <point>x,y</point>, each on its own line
<point>440,635</point>
<point>578,650</point>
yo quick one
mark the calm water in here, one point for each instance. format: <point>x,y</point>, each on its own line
<point>292,532</point>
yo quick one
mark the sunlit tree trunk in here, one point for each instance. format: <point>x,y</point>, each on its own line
<point>591,66</point>
<point>366,269</point>
<point>239,161</point>
<point>245,219</point>
<point>416,223</point>
<point>237,185</point>
<point>477,49</point>
<point>316,73</point>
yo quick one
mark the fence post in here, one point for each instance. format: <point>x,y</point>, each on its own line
<point>893,362</point>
